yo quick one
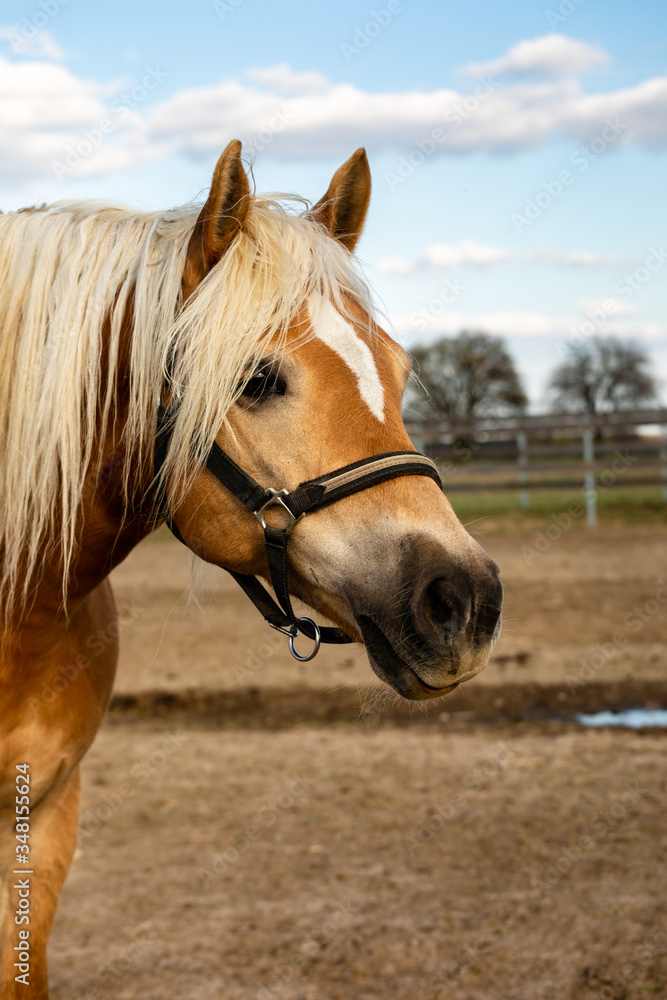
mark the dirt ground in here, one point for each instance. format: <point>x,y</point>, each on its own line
<point>256,828</point>
<point>560,603</point>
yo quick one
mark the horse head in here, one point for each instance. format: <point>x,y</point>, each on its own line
<point>392,566</point>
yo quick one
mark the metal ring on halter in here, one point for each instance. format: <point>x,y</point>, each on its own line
<point>275,499</point>
<point>314,650</point>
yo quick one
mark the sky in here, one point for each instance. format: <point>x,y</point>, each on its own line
<point>518,150</point>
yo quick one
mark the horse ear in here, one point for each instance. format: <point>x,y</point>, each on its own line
<point>343,208</point>
<point>220,219</point>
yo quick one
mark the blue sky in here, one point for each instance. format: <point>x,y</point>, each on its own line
<point>470,115</point>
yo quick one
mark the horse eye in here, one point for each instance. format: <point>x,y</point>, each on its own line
<point>263,383</point>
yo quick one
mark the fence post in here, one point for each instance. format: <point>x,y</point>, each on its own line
<point>522,448</point>
<point>589,478</point>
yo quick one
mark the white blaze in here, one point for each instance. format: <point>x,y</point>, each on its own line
<point>340,336</point>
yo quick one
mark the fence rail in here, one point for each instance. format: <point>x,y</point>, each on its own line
<point>606,445</point>
<point>574,422</point>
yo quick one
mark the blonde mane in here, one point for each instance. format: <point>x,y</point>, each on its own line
<point>70,268</point>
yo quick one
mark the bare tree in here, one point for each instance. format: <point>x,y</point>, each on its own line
<point>471,375</point>
<point>602,376</point>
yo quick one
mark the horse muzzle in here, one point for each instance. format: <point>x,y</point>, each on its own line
<point>438,629</point>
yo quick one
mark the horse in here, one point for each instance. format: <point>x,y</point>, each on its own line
<point>220,368</point>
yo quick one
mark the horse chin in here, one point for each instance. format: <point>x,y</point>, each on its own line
<point>392,668</point>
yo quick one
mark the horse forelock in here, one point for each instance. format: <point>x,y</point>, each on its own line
<point>75,276</point>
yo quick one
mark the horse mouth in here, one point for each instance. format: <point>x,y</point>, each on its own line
<point>392,668</point>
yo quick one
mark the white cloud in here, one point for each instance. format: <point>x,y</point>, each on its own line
<point>281,113</point>
<point>551,55</point>
<point>581,258</point>
<point>304,125</point>
<point>40,105</point>
<point>47,114</point>
<point>613,306</point>
<point>442,256</point>
<point>283,80</point>
<point>423,326</point>
<point>340,117</point>
<point>396,265</point>
<point>41,43</point>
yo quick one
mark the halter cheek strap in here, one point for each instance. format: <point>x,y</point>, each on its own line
<point>307,497</point>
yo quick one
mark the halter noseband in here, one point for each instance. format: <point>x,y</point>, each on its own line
<point>307,497</point>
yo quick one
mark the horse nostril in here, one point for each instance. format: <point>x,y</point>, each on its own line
<point>457,607</point>
<point>444,611</point>
<point>488,615</point>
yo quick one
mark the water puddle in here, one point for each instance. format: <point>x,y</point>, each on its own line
<point>632,718</point>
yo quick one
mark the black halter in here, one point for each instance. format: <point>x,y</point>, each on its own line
<point>307,497</point>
